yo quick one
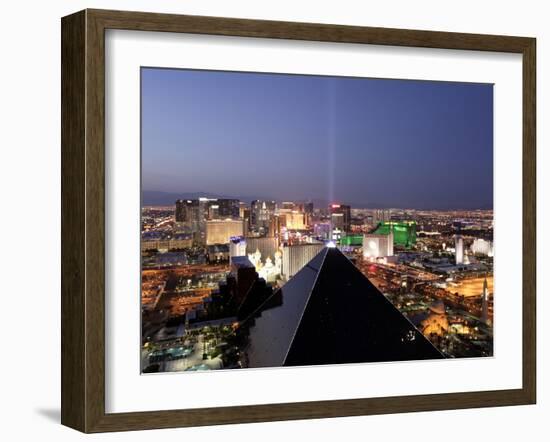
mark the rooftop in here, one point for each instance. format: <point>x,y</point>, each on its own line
<point>330,313</point>
<point>241,262</point>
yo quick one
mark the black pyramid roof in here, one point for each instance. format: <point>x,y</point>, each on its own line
<point>330,313</point>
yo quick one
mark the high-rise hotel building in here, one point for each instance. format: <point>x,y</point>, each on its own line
<point>377,246</point>
<point>459,250</point>
<point>220,231</point>
<point>201,209</point>
<point>297,256</point>
<point>260,214</point>
<point>193,214</point>
<point>340,217</point>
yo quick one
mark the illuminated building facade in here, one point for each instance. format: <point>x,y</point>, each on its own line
<point>166,244</point>
<point>268,269</point>
<point>340,217</point>
<point>322,230</point>
<point>187,211</point>
<point>193,214</point>
<point>221,231</point>
<point>308,211</point>
<point>336,235</point>
<point>267,246</point>
<point>404,232</point>
<point>459,250</point>
<point>237,246</point>
<point>246,221</point>
<point>227,208</point>
<point>482,247</point>
<point>217,252</point>
<point>377,246</point>
<point>297,256</point>
<point>352,240</point>
<point>218,208</point>
<point>295,220</point>
<point>260,213</point>
<point>337,221</point>
<point>276,222</point>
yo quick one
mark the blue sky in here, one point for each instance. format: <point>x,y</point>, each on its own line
<point>398,143</point>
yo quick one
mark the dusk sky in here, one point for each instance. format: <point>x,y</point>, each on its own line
<point>391,143</point>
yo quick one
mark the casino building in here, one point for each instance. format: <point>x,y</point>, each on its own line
<point>377,246</point>
<point>221,231</point>
<point>330,313</point>
<point>404,232</point>
<point>295,257</point>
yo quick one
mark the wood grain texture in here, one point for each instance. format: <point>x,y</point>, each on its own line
<point>529,221</point>
<point>73,253</point>
<point>83,219</point>
<point>95,221</point>
<point>144,21</point>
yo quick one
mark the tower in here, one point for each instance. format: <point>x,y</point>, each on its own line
<point>390,243</point>
<point>340,216</point>
<point>459,250</point>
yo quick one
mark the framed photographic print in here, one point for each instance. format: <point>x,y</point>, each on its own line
<point>269,220</point>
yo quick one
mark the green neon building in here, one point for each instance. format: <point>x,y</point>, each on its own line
<point>404,232</point>
<point>352,240</point>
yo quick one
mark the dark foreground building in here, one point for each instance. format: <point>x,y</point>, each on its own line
<point>330,313</point>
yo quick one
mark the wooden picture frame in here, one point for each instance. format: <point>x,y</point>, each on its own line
<point>83,220</point>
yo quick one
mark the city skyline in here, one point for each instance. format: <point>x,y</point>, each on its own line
<point>397,143</point>
<point>293,220</point>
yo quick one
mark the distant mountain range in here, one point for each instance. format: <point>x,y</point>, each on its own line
<point>159,198</point>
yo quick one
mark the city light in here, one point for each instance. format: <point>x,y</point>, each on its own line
<point>204,261</point>
<point>258,252</point>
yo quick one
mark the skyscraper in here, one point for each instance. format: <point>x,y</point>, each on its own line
<point>193,214</point>
<point>340,217</point>
<point>377,246</point>
<point>260,214</point>
<point>337,221</point>
<point>187,211</point>
<point>297,256</point>
<point>404,232</point>
<point>295,220</point>
<point>246,221</point>
<point>308,210</point>
<point>221,231</point>
<point>228,208</point>
<point>188,219</point>
<point>275,224</point>
<point>459,250</point>
<point>481,246</point>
